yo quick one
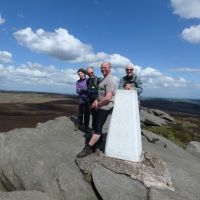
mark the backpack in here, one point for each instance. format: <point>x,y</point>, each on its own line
<point>93,86</point>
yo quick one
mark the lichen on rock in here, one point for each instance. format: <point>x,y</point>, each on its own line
<point>151,171</point>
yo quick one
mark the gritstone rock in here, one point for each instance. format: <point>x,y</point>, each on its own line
<point>152,171</point>
<point>42,159</point>
<point>194,148</point>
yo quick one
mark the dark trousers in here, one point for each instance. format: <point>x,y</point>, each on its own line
<point>84,113</point>
<point>94,114</point>
<point>100,120</point>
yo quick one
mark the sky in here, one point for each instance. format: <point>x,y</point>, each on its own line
<point>44,42</point>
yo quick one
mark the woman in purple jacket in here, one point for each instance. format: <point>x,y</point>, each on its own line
<point>84,105</point>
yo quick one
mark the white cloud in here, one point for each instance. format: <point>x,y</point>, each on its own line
<point>5,57</point>
<point>2,20</point>
<point>62,45</point>
<point>36,74</point>
<point>186,8</point>
<point>155,79</point>
<point>150,72</point>
<point>186,69</point>
<point>37,77</point>
<point>192,34</point>
<point>157,84</point>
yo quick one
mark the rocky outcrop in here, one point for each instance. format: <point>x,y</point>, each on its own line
<point>25,195</point>
<point>163,115</point>
<point>194,148</point>
<point>155,117</point>
<point>114,186</point>
<point>39,163</point>
<point>151,171</point>
<point>42,159</point>
<point>182,166</point>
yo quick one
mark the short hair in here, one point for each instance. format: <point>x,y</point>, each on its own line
<point>106,62</point>
<point>81,70</point>
<point>90,67</point>
<point>130,65</point>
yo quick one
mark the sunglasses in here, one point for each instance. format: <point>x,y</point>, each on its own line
<point>90,72</point>
<point>129,70</point>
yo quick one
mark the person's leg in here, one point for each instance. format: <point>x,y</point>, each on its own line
<point>100,121</point>
<point>80,114</point>
<point>86,114</point>
<point>94,117</point>
<point>101,118</point>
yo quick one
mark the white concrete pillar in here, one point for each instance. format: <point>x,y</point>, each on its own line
<point>124,133</point>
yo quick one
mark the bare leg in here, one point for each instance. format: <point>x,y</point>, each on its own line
<point>87,150</point>
<point>94,139</point>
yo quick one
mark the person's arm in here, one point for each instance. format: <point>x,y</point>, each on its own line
<point>97,104</point>
<point>106,99</point>
<point>139,85</point>
<point>77,88</point>
<point>111,87</point>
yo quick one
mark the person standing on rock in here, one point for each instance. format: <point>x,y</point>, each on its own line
<point>93,86</point>
<point>103,105</point>
<point>84,105</point>
<point>131,80</point>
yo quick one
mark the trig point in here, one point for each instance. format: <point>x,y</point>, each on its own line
<point>124,134</point>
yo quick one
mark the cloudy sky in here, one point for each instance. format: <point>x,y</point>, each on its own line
<point>43,43</point>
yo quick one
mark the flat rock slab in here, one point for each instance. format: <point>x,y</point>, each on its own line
<point>194,148</point>
<point>151,119</point>
<point>112,186</point>
<point>152,171</point>
<point>183,168</point>
<point>24,195</point>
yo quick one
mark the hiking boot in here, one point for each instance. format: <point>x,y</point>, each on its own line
<point>85,152</point>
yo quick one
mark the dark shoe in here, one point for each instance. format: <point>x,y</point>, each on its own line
<point>85,152</point>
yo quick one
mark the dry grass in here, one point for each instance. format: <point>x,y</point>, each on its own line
<point>6,97</point>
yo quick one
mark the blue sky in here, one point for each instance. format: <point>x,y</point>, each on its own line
<point>43,43</point>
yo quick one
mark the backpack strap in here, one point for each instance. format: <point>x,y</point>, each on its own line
<point>97,80</point>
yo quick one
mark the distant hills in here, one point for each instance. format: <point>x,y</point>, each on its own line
<point>188,107</point>
<point>185,107</point>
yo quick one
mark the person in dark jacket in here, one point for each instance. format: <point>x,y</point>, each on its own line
<point>84,105</point>
<point>131,80</point>
<point>93,86</point>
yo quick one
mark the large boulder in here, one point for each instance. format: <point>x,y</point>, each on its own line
<point>42,159</point>
<point>163,115</point>
<point>114,186</point>
<point>155,117</point>
<point>38,163</point>
<point>150,119</point>
<point>183,168</point>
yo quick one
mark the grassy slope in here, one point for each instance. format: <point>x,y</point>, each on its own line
<point>185,130</point>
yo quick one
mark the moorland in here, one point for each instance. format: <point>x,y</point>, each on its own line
<point>26,109</point>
